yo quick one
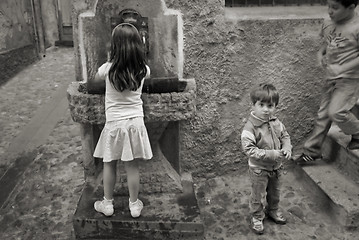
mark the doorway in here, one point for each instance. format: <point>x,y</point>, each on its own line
<point>64,9</point>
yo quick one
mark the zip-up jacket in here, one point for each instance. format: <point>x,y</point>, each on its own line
<point>261,138</point>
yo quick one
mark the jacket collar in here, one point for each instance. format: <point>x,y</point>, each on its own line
<point>257,122</point>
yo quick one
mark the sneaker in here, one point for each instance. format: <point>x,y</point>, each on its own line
<point>353,144</point>
<point>277,217</point>
<point>257,225</point>
<point>105,206</point>
<point>135,208</point>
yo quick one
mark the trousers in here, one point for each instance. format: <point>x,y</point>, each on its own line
<point>265,186</point>
<point>338,99</point>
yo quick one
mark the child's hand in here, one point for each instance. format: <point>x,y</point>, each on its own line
<point>277,154</point>
<point>287,154</point>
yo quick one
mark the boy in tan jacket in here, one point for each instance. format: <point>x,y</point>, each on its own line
<point>267,143</point>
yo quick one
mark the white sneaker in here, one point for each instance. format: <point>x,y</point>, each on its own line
<point>105,206</point>
<point>135,208</point>
<point>257,225</point>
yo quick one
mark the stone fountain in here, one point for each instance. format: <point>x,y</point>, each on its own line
<point>171,210</point>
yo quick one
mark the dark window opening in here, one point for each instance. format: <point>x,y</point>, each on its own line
<point>250,3</point>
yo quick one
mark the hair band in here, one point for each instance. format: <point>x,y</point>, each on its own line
<point>124,24</point>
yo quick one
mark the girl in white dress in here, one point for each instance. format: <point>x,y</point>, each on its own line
<point>124,136</point>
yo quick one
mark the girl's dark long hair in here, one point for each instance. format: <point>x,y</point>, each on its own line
<point>128,58</point>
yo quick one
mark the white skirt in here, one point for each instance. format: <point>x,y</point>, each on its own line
<point>124,140</point>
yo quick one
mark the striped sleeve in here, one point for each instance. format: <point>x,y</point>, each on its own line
<point>249,146</point>
<point>285,138</point>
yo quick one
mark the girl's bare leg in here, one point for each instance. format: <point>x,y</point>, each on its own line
<point>133,178</point>
<point>109,178</point>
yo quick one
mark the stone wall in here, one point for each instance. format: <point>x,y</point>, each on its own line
<point>16,24</point>
<point>17,46</point>
<point>50,21</point>
<point>226,59</point>
<point>16,60</point>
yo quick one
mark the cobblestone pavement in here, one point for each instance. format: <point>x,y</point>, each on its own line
<point>224,208</point>
<point>45,197</point>
<point>30,90</point>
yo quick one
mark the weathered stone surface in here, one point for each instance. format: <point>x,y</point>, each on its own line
<point>16,60</point>
<point>95,33</point>
<point>335,149</point>
<point>165,216</point>
<point>336,179</point>
<point>159,107</point>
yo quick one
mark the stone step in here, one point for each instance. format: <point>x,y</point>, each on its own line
<point>66,43</point>
<point>342,194</point>
<point>335,180</point>
<point>164,216</point>
<point>336,152</point>
<point>67,30</point>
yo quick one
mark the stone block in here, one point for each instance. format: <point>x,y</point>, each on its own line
<point>165,216</point>
<point>335,179</point>
<point>90,108</point>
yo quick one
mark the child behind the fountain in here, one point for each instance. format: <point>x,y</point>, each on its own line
<point>124,136</point>
<point>267,143</point>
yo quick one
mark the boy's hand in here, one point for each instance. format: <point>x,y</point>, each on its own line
<point>287,154</point>
<point>277,154</point>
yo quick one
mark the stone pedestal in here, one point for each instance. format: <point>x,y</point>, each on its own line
<point>171,210</point>
<point>165,216</point>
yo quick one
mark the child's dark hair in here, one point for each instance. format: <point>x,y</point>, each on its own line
<point>128,58</point>
<point>265,93</point>
<point>347,3</point>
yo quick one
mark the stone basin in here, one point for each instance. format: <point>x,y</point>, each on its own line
<point>162,113</point>
<point>158,107</point>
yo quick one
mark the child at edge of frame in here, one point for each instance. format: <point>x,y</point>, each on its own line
<point>267,144</point>
<point>124,136</point>
<point>339,56</point>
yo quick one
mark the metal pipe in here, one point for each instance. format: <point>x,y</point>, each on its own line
<point>35,27</point>
<point>39,27</point>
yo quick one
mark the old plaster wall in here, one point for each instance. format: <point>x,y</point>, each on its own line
<point>227,59</point>
<point>17,46</point>
<point>49,16</point>
<point>95,35</point>
<point>16,24</point>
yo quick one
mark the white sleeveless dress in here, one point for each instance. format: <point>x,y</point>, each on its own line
<point>124,136</point>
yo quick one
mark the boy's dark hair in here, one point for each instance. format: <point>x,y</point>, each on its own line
<point>347,3</point>
<point>266,93</point>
